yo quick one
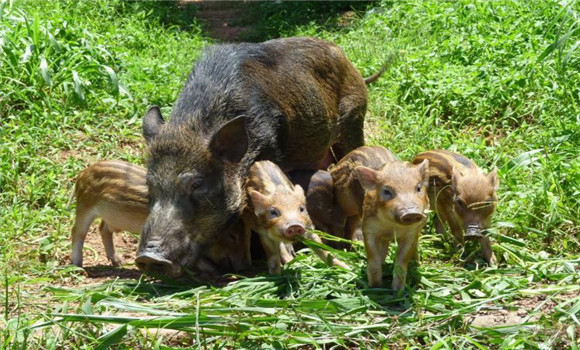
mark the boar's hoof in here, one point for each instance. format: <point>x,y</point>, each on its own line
<point>154,264</point>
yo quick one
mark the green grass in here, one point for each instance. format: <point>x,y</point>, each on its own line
<point>495,81</point>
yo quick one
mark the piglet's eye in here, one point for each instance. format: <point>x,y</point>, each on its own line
<point>460,204</point>
<point>386,194</point>
<point>302,210</point>
<point>419,187</point>
<point>274,213</point>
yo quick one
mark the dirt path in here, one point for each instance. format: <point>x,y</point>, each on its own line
<point>222,19</point>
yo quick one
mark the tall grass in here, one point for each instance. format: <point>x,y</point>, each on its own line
<point>496,81</point>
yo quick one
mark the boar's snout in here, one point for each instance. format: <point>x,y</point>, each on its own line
<point>410,216</point>
<point>153,263</point>
<point>473,232</point>
<point>294,231</point>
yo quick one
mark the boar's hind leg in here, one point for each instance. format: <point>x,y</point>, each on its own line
<point>351,135</point>
<point>107,238</point>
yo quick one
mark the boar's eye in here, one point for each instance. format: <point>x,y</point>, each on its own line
<point>387,194</point>
<point>274,213</point>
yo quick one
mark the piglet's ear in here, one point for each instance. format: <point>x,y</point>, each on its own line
<point>298,190</point>
<point>493,179</point>
<point>455,176</point>
<point>367,177</point>
<point>152,124</point>
<point>423,169</point>
<point>259,201</point>
<point>230,143</point>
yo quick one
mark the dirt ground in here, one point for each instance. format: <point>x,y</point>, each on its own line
<point>525,310</point>
<point>221,19</point>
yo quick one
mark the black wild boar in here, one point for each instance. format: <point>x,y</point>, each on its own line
<point>285,100</point>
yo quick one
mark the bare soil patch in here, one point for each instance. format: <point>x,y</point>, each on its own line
<point>222,19</point>
<point>524,310</point>
<point>94,252</point>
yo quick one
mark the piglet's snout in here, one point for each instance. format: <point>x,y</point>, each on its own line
<point>294,231</point>
<point>473,232</point>
<point>410,216</point>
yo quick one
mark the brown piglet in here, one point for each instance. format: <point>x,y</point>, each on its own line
<point>388,198</point>
<point>463,197</point>
<point>276,210</point>
<point>326,215</point>
<point>116,191</point>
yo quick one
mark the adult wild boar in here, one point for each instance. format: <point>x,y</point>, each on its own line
<point>285,100</point>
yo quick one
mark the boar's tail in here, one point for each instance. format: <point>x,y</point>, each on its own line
<point>388,63</point>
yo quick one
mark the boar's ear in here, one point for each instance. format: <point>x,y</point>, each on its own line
<point>152,123</point>
<point>423,169</point>
<point>494,179</point>
<point>259,201</point>
<point>230,143</point>
<point>367,177</point>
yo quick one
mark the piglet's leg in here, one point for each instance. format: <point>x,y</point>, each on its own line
<point>286,253</point>
<point>488,254</point>
<point>107,238</point>
<point>83,220</point>
<point>352,227</point>
<point>376,249</point>
<point>407,250</point>
<point>323,254</point>
<point>272,250</point>
<point>439,227</point>
<point>453,221</point>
